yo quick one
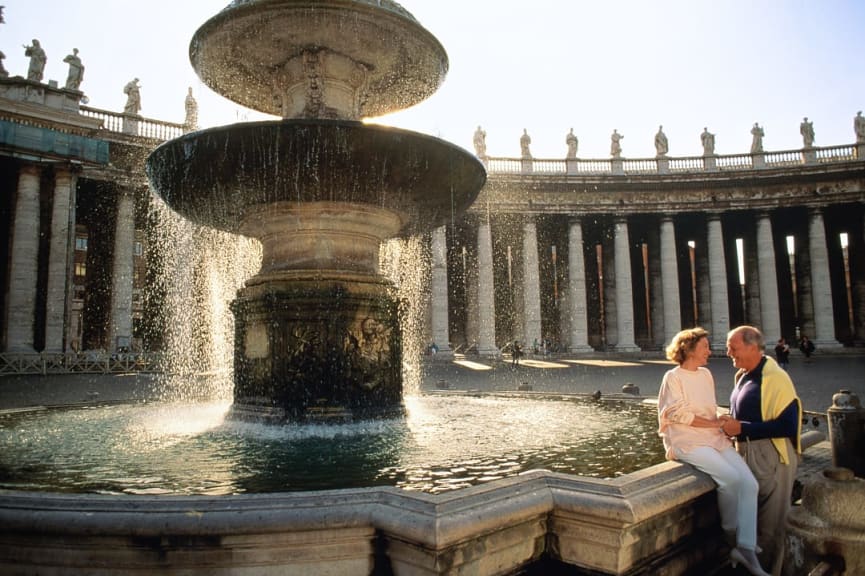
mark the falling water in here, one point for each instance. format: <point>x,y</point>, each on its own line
<point>406,263</point>
<point>201,270</point>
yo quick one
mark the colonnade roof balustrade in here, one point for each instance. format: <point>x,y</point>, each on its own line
<point>811,177</point>
<point>673,165</point>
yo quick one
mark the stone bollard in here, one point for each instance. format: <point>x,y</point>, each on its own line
<point>829,527</point>
<point>847,432</point>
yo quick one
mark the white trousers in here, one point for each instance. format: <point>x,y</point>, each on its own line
<point>737,490</point>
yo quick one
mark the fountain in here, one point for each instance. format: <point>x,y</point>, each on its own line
<point>317,339</point>
<point>317,331</point>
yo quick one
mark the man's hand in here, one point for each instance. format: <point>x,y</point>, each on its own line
<point>731,426</point>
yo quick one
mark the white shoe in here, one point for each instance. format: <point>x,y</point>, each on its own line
<point>749,559</point>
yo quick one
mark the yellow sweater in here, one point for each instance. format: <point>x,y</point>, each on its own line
<point>776,393</point>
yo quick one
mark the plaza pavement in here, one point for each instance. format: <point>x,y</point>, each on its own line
<point>815,380</point>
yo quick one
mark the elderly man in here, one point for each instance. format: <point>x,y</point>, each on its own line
<point>765,419</point>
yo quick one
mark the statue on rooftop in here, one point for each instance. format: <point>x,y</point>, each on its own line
<point>572,142</point>
<point>662,146</point>
<point>37,61</point>
<point>76,70</point>
<point>525,141</point>
<point>757,139</point>
<point>616,144</point>
<point>708,140</point>
<point>806,129</point>
<point>859,127</point>
<point>191,121</point>
<point>480,141</point>
<point>3,72</point>
<point>133,97</point>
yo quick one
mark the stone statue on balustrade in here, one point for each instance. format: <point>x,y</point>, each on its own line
<point>662,146</point>
<point>859,127</point>
<point>76,70</point>
<point>3,72</point>
<point>525,142</point>
<point>191,120</point>
<point>806,129</point>
<point>572,142</point>
<point>133,97</point>
<point>480,141</point>
<point>37,61</point>
<point>708,140</point>
<point>616,144</point>
<point>757,139</point>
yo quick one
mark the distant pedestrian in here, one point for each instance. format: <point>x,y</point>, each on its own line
<point>516,352</point>
<point>782,353</point>
<point>806,347</point>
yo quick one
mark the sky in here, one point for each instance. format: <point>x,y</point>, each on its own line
<point>545,66</point>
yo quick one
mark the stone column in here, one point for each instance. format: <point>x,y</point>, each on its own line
<point>670,279</point>
<point>24,263</point>
<point>770,316</point>
<point>624,290</point>
<point>720,301</point>
<point>59,276</point>
<point>531,284</point>
<point>486,293</point>
<point>577,295</point>
<point>439,290</point>
<point>821,286</point>
<point>120,326</point>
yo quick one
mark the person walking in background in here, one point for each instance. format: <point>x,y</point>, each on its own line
<point>806,347</point>
<point>692,432</point>
<point>782,353</point>
<point>766,421</point>
<point>516,352</point>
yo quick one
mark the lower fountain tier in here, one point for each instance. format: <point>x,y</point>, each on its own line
<point>229,176</point>
<point>319,346</point>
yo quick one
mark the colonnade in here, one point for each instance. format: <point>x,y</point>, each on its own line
<point>40,294</point>
<point>636,280</point>
<point>593,282</point>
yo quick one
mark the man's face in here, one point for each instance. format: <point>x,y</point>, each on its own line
<point>745,356</point>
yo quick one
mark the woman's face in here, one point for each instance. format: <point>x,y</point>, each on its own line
<point>701,352</point>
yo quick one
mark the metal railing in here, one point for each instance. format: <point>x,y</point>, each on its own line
<point>89,362</point>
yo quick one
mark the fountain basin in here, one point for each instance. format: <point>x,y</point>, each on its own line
<point>220,176</point>
<point>325,58</point>
<point>609,526</point>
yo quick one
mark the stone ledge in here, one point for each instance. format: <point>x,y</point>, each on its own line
<point>605,525</point>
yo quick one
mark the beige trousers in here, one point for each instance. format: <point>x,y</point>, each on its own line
<point>775,481</point>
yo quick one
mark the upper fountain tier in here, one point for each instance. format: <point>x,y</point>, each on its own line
<point>334,59</point>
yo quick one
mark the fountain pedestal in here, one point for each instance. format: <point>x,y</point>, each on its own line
<point>317,349</point>
<point>317,330</point>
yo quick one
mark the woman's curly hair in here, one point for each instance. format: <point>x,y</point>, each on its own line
<point>684,343</point>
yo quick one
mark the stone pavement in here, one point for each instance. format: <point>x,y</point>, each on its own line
<point>816,381</point>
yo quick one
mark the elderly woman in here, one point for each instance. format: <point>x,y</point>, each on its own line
<point>691,430</point>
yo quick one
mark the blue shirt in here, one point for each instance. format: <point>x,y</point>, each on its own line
<point>746,403</point>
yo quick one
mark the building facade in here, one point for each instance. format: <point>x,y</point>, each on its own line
<point>584,256</point>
